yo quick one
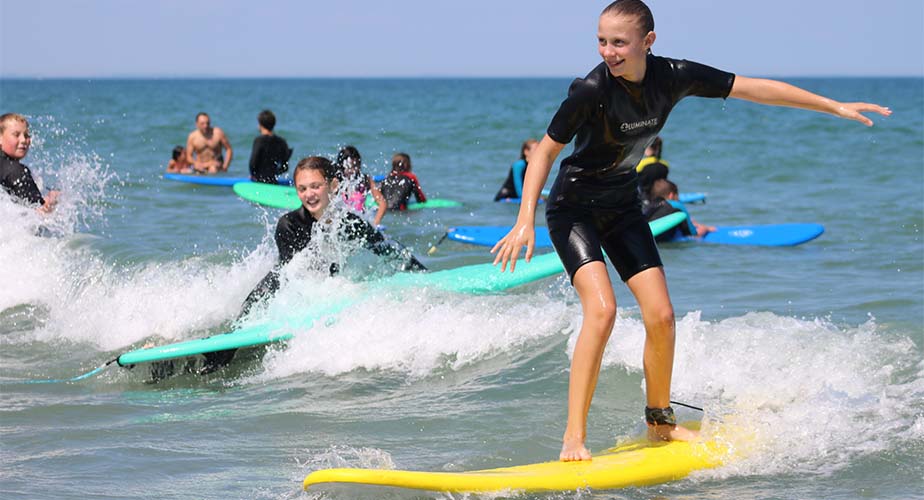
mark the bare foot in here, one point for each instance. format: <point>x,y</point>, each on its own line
<point>573,450</point>
<point>668,432</point>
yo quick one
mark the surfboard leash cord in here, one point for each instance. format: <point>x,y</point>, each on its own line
<point>687,406</point>
<point>89,374</point>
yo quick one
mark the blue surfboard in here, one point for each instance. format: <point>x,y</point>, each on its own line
<point>684,198</point>
<point>488,236</point>
<point>769,235</point>
<point>213,180</point>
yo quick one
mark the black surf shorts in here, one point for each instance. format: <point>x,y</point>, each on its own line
<point>581,236</point>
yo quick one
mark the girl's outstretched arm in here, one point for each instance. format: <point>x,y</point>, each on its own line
<point>776,93</point>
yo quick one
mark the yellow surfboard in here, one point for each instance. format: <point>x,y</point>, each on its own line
<point>638,463</point>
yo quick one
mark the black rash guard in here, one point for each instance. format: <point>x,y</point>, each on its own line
<point>397,189</point>
<point>613,120</point>
<point>293,233</point>
<point>269,158</point>
<point>594,202</point>
<point>17,180</point>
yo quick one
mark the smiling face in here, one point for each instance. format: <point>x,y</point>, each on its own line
<point>313,190</point>
<point>623,45</point>
<point>15,139</point>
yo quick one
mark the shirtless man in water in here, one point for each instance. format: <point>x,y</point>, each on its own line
<point>204,147</point>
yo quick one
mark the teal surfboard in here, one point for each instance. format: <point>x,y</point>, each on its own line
<point>268,195</point>
<point>474,279</point>
<point>285,197</point>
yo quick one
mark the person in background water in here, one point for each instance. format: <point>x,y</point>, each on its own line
<point>615,112</point>
<point>665,200</point>
<point>270,154</point>
<point>204,147</point>
<point>354,185</point>
<point>179,163</point>
<point>651,168</point>
<point>15,177</point>
<point>401,183</point>
<point>513,186</point>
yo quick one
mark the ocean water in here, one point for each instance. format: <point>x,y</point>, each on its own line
<point>817,351</point>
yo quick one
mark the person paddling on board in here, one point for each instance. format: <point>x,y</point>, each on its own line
<point>665,200</point>
<point>513,186</point>
<point>315,183</point>
<point>615,112</point>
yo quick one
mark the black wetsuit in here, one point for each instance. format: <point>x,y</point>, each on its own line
<point>397,189</point>
<point>17,180</point>
<point>293,233</point>
<point>594,201</point>
<point>269,158</point>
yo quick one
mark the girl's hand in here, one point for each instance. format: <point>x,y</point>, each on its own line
<point>852,110</point>
<point>522,234</point>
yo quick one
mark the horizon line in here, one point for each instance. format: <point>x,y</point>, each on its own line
<point>382,77</point>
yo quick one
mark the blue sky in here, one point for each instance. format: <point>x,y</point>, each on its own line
<point>412,38</point>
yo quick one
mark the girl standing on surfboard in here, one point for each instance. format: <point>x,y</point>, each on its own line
<point>615,112</point>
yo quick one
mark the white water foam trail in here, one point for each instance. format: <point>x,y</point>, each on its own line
<point>804,394</point>
<point>47,263</point>
<point>798,394</point>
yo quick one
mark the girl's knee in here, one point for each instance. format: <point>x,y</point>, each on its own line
<point>661,318</point>
<point>601,313</point>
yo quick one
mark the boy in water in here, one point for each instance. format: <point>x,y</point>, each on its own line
<point>665,200</point>
<point>15,177</point>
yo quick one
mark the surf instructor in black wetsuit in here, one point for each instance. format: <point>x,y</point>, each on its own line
<point>613,114</point>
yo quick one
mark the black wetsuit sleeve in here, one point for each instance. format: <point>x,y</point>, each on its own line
<point>692,78</point>
<point>290,237</point>
<point>255,154</point>
<point>17,180</point>
<point>583,100</point>
<point>283,165</point>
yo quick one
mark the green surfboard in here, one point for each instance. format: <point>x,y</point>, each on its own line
<point>285,197</point>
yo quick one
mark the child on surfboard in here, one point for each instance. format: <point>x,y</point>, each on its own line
<point>315,183</point>
<point>615,112</point>
<point>665,200</point>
